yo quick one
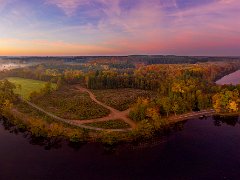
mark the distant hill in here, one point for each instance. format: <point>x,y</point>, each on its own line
<point>131,59</point>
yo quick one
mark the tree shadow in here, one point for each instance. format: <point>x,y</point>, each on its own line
<point>219,120</point>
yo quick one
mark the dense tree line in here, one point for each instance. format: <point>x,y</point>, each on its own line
<point>122,66</point>
<point>186,89</point>
<point>161,59</point>
<point>181,87</point>
<point>153,77</point>
<point>7,96</point>
<point>227,101</point>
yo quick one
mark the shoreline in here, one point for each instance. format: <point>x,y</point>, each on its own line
<point>217,81</point>
<point>227,114</point>
<point>20,120</point>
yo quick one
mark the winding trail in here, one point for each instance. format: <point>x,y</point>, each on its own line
<point>175,119</point>
<point>114,114</point>
<point>71,122</point>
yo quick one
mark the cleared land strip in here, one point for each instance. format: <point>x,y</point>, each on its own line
<point>114,114</point>
<point>72,122</point>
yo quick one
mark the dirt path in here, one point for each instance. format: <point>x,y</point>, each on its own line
<point>71,122</point>
<point>175,119</point>
<point>114,114</point>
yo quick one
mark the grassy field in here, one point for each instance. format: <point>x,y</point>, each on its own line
<point>112,124</point>
<point>71,104</point>
<point>122,99</point>
<point>27,86</point>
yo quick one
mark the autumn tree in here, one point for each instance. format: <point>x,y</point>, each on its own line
<point>227,101</point>
<point>138,111</point>
<point>165,102</point>
<point>7,95</point>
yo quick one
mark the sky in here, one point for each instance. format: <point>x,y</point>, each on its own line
<point>119,27</point>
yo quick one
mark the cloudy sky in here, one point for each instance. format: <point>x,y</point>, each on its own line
<point>119,27</point>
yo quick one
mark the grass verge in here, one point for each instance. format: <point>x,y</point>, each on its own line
<point>112,124</point>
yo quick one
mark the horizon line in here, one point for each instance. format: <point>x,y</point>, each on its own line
<point>2,56</point>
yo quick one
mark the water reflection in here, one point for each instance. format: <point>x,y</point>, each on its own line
<point>228,120</point>
<point>76,146</point>
<point>46,143</point>
<point>56,143</point>
<point>161,137</point>
<point>198,150</point>
<point>179,126</point>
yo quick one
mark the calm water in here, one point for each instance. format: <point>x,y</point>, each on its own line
<point>233,79</point>
<point>203,149</point>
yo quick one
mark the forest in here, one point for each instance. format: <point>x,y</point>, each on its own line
<point>152,92</point>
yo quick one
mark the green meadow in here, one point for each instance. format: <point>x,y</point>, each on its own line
<point>26,86</point>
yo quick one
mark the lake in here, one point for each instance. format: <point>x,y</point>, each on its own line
<point>206,148</point>
<point>202,149</point>
<point>233,78</point>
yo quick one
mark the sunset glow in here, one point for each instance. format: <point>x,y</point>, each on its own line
<point>119,27</point>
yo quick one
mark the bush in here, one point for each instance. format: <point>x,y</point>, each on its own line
<point>74,136</point>
<point>144,130</point>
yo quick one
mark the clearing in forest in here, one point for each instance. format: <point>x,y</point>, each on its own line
<point>71,104</point>
<point>122,99</point>
<point>24,87</point>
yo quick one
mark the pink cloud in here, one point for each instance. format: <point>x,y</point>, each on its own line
<point>68,6</point>
<point>146,28</point>
<point>3,3</point>
<point>196,30</point>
